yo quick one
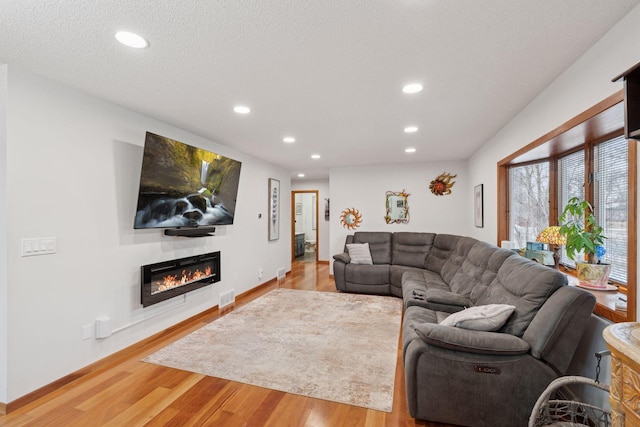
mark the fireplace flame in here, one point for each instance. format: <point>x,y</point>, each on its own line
<point>171,281</point>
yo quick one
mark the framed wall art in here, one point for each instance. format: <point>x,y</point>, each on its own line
<point>274,209</point>
<point>397,207</point>
<point>478,206</point>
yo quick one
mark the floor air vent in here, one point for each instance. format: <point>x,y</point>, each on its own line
<point>227,298</point>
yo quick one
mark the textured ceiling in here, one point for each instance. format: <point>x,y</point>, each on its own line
<point>327,72</point>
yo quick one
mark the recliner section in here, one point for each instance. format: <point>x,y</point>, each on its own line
<point>461,376</point>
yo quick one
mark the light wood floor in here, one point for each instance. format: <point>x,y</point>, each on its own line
<point>123,391</point>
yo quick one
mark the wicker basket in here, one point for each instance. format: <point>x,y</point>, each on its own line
<point>568,413</point>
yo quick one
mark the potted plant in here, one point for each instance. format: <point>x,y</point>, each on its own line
<point>584,237</point>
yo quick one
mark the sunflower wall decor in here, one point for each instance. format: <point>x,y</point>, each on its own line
<point>350,218</point>
<point>441,185</point>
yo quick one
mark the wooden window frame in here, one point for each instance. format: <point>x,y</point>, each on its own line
<point>599,123</point>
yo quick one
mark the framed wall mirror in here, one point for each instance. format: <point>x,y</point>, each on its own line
<point>397,207</point>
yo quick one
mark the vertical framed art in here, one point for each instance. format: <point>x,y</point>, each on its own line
<point>274,209</point>
<point>478,208</point>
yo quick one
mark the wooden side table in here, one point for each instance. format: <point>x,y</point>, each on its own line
<point>623,340</point>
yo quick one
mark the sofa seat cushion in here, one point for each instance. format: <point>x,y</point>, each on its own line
<point>377,274</point>
<point>396,273</point>
<point>524,284</point>
<point>471,341</point>
<point>422,280</point>
<point>415,316</point>
<point>488,318</point>
<point>416,283</point>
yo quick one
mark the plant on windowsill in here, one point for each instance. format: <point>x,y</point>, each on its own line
<point>584,237</point>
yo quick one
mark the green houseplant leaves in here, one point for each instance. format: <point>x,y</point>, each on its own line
<point>579,226</point>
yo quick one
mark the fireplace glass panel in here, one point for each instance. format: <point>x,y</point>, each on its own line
<point>168,279</point>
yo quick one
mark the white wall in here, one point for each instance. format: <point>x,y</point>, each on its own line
<point>304,219</point>
<point>73,165</point>
<point>3,233</point>
<point>584,84</point>
<point>322,186</point>
<point>364,188</point>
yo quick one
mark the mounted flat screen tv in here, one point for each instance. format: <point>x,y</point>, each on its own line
<point>185,186</point>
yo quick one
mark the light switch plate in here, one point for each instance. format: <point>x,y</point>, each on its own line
<point>39,246</point>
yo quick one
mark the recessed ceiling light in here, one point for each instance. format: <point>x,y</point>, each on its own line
<point>289,139</point>
<point>241,109</point>
<point>315,156</point>
<point>132,40</point>
<point>301,175</point>
<point>410,150</point>
<point>412,88</point>
<point>411,129</point>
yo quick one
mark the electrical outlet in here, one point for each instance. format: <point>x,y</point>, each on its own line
<point>260,273</point>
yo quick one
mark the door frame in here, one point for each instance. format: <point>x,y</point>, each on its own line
<point>293,220</point>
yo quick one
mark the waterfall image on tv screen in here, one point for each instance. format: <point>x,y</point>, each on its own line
<point>185,186</point>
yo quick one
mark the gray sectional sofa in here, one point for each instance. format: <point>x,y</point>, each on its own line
<point>470,369</point>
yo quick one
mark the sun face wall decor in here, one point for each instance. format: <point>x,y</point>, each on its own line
<point>441,185</point>
<point>350,218</point>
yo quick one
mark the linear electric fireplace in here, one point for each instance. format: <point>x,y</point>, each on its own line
<point>165,280</point>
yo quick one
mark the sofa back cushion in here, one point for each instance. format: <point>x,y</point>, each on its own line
<point>443,246</point>
<point>478,270</point>
<point>379,244</point>
<point>524,284</point>
<point>411,249</point>
<point>456,258</point>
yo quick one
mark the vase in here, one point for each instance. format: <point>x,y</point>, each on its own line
<point>594,275</point>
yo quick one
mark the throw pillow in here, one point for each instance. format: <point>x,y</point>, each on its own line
<point>488,318</point>
<point>359,253</point>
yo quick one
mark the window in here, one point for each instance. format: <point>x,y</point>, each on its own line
<point>586,157</point>
<point>571,184</point>
<point>610,188</point>
<point>528,202</point>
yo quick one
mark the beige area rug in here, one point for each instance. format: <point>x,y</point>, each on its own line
<point>331,346</point>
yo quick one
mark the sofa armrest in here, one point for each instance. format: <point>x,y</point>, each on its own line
<point>440,296</point>
<point>471,341</point>
<point>437,300</point>
<point>343,257</point>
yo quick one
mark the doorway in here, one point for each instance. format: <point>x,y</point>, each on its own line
<point>304,225</point>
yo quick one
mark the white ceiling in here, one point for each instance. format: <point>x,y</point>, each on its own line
<point>327,72</point>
